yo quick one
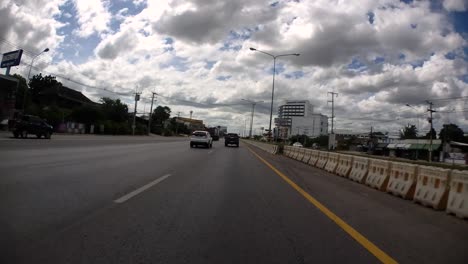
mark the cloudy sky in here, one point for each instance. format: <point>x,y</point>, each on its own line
<point>377,55</point>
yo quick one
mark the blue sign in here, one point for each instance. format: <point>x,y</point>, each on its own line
<point>11,58</point>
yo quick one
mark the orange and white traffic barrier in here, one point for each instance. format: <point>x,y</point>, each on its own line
<point>360,169</point>
<point>332,162</point>
<point>314,155</point>
<point>432,187</point>
<point>294,152</point>
<point>300,154</point>
<point>307,154</point>
<point>322,159</point>
<point>379,172</point>
<point>402,181</point>
<point>345,164</point>
<point>458,194</point>
<point>287,151</point>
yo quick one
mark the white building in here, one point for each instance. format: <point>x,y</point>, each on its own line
<point>299,118</point>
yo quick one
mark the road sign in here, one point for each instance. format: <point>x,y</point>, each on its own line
<point>11,58</point>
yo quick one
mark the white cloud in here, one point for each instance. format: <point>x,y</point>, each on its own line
<point>211,40</point>
<point>455,5</point>
<point>93,17</point>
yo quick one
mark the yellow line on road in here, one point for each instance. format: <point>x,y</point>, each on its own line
<point>371,247</point>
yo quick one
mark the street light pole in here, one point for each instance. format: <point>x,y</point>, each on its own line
<point>273,85</point>
<point>150,114</point>
<point>252,114</point>
<point>29,74</point>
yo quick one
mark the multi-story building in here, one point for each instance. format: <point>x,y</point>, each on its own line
<point>298,117</point>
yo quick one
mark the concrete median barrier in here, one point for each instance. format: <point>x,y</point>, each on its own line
<point>432,187</point>
<point>270,148</point>
<point>402,180</point>
<point>332,162</point>
<point>360,169</point>
<point>295,153</point>
<point>314,155</point>
<point>300,154</point>
<point>306,157</point>
<point>345,165</point>
<point>287,151</point>
<point>322,159</point>
<point>458,194</point>
<point>379,172</point>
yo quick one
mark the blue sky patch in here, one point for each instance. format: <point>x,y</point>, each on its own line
<point>357,65</point>
<point>379,60</point>
<point>279,68</point>
<point>294,75</point>
<point>179,64</point>
<point>209,64</point>
<point>370,17</point>
<point>223,78</point>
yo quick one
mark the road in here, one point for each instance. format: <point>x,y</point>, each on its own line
<point>155,200</point>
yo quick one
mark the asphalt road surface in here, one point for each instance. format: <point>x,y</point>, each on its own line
<point>155,200</point>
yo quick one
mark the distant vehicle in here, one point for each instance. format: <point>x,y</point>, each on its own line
<point>231,139</point>
<point>28,124</point>
<point>201,138</point>
<point>297,144</point>
<point>214,132</point>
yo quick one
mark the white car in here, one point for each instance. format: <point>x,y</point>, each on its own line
<point>297,144</point>
<point>201,138</point>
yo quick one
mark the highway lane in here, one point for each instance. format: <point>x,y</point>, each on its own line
<point>219,205</point>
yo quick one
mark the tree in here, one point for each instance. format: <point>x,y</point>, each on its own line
<point>409,132</point>
<point>39,83</point>
<point>87,114</point>
<point>22,87</point>
<point>451,132</point>
<point>161,114</point>
<point>114,110</point>
<point>433,132</point>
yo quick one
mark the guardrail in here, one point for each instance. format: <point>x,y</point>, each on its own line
<point>441,189</point>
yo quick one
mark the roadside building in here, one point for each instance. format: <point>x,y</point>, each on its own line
<point>298,117</point>
<point>8,87</point>
<point>192,124</point>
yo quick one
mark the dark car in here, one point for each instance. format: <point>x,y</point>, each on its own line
<point>231,139</point>
<point>28,124</point>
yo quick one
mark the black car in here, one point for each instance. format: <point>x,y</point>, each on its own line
<point>28,124</point>
<point>231,139</point>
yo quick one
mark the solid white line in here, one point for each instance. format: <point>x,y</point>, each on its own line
<point>141,189</point>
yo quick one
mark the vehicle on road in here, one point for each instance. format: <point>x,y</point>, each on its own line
<point>29,124</point>
<point>297,144</point>
<point>231,139</point>
<point>201,138</point>
<point>214,132</point>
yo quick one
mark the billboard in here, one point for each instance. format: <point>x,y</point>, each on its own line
<point>11,58</point>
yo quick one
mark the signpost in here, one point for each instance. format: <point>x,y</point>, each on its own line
<point>12,58</point>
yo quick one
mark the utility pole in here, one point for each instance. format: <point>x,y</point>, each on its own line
<point>333,108</point>
<point>331,137</point>
<point>430,110</point>
<point>150,114</point>
<point>177,124</point>
<point>137,98</point>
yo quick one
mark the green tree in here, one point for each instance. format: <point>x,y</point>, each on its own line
<point>87,114</point>
<point>409,132</point>
<point>22,87</point>
<point>451,132</point>
<point>321,140</point>
<point>39,83</point>
<point>433,132</point>
<point>158,117</point>
<point>114,110</point>
<point>161,114</point>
